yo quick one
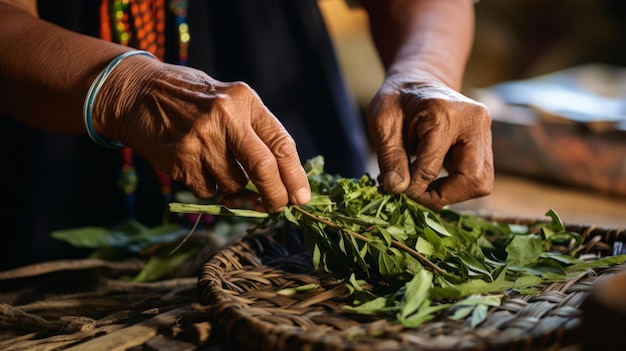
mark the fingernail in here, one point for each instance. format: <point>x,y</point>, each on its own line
<point>303,195</point>
<point>391,180</point>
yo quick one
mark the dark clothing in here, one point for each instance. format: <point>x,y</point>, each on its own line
<point>279,47</point>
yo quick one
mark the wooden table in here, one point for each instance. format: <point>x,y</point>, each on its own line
<point>516,196</point>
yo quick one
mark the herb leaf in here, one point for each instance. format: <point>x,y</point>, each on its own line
<point>430,262</point>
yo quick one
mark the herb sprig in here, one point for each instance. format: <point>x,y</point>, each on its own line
<point>402,259</point>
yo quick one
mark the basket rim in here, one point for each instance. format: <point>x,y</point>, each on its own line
<point>248,325</point>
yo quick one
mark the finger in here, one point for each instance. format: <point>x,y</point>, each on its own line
<point>229,175</point>
<point>199,169</point>
<point>292,173</point>
<point>262,169</point>
<point>284,150</point>
<point>196,178</point>
<point>434,142</point>
<point>393,161</point>
<point>472,175</point>
<point>255,145</point>
<point>206,187</point>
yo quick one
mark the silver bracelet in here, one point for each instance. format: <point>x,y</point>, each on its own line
<point>93,92</point>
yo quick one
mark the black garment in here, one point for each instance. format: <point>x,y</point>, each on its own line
<point>282,49</point>
<point>279,47</point>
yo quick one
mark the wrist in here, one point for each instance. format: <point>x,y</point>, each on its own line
<point>424,72</point>
<point>107,97</point>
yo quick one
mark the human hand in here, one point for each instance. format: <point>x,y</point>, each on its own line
<point>418,129</point>
<point>207,134</point>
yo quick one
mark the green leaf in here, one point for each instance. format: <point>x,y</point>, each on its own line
<point>524,249</point>
<point>433,222</point>
<point>397,232</point>
<point>478,286</point>
<point>527,281</point>
<point>539,267</point>
<point>321,202</point>
<point>557,256</point>
<point>479,314</point>
<point>158,267</point>
<point>557,224</point>
<point>417,291</point>
<point>436,242</point>
<point>89,237</point>
<point>294,290</point>
<point>424,314</point>
<point>386,236</point>
<point>250,186</point>
<point>477,306</point>
<point>474,264</point>
<point>599,263</point>
<point>371,307</point>
<point>290,216</point>
<point>461,313</point>
<point>551,277</point>
<point>418,258</point>
<point>130,236</point>
<point>314,166</point>
<point>424,247</point>
<point>487,300</point>
<point>316,256</point>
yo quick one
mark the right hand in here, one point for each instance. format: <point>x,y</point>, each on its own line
<point>208,135</point>
<point>419,127</point>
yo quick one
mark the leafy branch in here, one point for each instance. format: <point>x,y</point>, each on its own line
<point>430,259</point>
<point>365,239</point>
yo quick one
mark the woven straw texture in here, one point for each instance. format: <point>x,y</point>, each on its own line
<point>240,286</point>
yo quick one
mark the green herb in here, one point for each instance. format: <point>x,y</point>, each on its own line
<point>131,239</point>
<point>399,257</point>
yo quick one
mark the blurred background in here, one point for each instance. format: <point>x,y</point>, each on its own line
<point>553,74</point>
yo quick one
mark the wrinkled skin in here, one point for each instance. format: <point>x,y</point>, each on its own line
<point>212,136</point>
<point>207,134</point>
<point>418,129</point>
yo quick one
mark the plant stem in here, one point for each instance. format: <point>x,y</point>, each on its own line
<point>426,262</point>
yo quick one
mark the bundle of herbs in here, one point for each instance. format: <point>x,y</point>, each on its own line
<point>400,259</point>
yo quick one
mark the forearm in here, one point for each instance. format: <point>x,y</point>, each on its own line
<point>429,37</point>
<point>45,70</point>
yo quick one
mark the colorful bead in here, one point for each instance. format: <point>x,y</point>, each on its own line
<point>141,23</point>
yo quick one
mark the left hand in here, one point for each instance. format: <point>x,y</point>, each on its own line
<point>209,135</point>
<point>419,128</point>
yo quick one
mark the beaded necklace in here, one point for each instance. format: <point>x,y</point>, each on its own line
<point>141,24</point>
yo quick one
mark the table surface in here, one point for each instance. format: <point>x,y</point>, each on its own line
<point>516,196</point>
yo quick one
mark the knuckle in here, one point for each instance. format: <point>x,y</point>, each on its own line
<point>241,89</point>
<point>483,189</point>
<point>240,86</point>
<point>435,205</point>
<point>261,169</point>
<point>481,184</point>
<point>221,104</point>
<point>232,188</point>
<point>180,175</point>
<point>432,201</point>
<point>425,174</point>
<point>202,193</point>
<point>283,146</point>
<point>480,115</point>
<point>230,92</point>
<point>187,149</point>
<point>416,189</point>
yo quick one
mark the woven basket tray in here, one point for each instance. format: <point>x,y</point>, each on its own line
<point>240,283</point>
